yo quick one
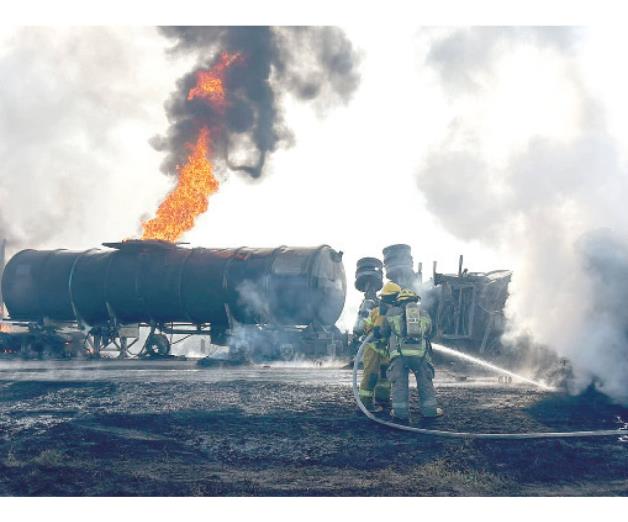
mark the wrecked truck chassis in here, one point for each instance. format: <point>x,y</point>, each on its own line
<point>68,340</point>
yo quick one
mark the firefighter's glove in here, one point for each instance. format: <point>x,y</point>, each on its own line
<point>381,330</point>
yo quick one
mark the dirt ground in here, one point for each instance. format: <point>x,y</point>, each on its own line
<point>171,428</point>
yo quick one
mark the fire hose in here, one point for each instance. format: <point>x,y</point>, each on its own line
<point>463,434</point>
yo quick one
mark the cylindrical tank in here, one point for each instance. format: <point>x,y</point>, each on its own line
<point>400,266</point>
<point>159,282</point>
<point>368,274</point>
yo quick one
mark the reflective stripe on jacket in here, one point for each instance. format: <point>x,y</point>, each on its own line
<point>400,344</point>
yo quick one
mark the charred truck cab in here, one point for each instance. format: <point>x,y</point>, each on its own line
<point>230,295</point>
<point>468,310</point>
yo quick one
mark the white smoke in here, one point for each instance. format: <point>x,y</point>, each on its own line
<point>529,164</point>
<point>250,340</point>
<point>253,298</point>
<point>77,106</point>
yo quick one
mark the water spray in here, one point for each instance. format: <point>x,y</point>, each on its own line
<point>485,364</point>
<point>469,435</point>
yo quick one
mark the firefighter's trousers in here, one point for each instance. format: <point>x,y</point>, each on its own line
<point>398,374</point>
<point>374,387</point>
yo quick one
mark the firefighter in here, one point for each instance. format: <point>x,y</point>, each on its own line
<point>374,386</point>
<point>367,306</point>
<point>407,330</point>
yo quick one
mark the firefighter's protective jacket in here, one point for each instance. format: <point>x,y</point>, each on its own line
<point>373,323</point>
<point>394,336</point>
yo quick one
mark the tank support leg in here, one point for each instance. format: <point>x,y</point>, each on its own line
<point>92,344</point>
<point>97,345</point>
<point>124,354</point>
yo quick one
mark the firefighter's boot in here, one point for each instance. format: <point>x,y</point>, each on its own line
<point>381,393</point>
<point>370,405</point>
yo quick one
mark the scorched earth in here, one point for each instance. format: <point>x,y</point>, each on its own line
<point>172,428</point>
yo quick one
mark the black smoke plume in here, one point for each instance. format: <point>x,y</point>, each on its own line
<point>315,64</point>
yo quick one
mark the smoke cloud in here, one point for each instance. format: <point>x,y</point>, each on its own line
<point>314,64</point>
<point>78,105</point>
<point>541,178</point>
<point>75,116</point>
<point>464,59</point>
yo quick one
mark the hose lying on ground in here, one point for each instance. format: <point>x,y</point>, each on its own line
<point>468,435</point>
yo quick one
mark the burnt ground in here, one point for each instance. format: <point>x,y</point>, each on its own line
<point>125,429</point>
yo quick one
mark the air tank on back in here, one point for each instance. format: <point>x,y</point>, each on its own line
<point>156,282</point>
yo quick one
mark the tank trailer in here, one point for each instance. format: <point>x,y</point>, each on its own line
<point>287,299</point>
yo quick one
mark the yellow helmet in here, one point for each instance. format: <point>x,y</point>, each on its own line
<point>390,289</point>
<point>407,295</point>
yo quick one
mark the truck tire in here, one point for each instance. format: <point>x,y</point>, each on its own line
<point>157,345</point>
<point>287,352</point>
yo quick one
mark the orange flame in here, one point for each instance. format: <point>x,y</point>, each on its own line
<point>178,212</point>
<point>209,84</point>
<point>4,327</point>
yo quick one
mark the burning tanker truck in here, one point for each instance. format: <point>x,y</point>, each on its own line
<point>277,302</point>
<point>467,308</point>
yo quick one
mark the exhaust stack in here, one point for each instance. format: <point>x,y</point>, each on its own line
<point>400,266</point>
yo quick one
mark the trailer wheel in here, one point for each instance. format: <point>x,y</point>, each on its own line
<point>48,352</point>
<point>286,352</point>
<point>157,344</point>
